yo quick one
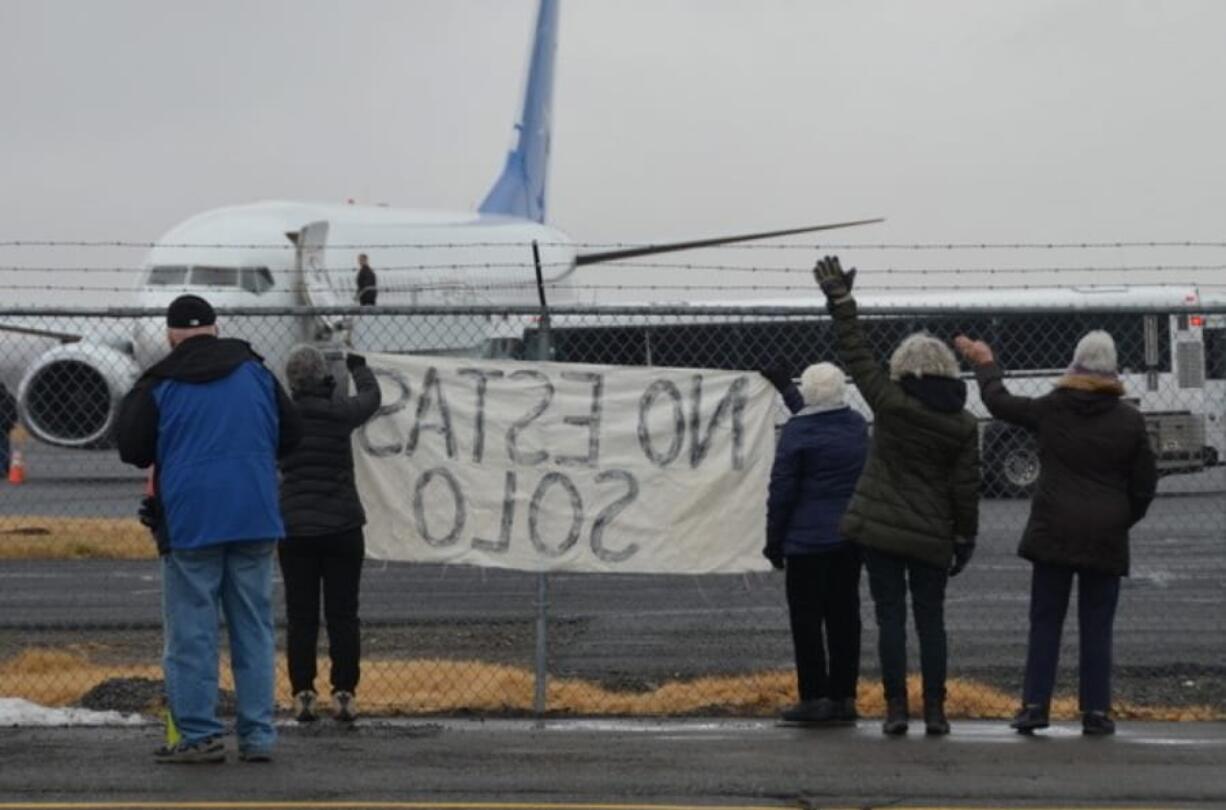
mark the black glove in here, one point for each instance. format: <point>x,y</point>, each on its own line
<point>835,284</point>
<point>963,551</point>
<point>150,513</point>
<point>353,361</point>
<point>779,377</point>
<point>775,555</point>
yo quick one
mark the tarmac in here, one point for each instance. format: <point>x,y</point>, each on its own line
<point>626,764</point>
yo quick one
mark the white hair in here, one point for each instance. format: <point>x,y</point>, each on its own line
<point>922,355</point>
<point>1095,352</point>
<point>823,384</point>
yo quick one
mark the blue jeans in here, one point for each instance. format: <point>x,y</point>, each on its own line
<point>234,579</point>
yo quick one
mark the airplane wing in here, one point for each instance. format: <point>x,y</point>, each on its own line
<point>31,331</point>
<point>668,247</point>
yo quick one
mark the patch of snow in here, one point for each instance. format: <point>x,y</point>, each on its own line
<point>20,712</point>
<point>1160,577</point>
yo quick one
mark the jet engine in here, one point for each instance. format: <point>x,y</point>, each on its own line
<point>70,396</point>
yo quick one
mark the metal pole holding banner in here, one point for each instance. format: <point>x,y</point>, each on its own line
<point>540,681</point>
<point>543,343</point>
<point>541,666</point>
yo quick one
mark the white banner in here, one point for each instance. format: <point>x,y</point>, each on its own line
<point>566,467</point>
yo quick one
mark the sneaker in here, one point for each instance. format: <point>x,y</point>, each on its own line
<point>304,707</point>
<point>1030,717</point>
<point>254,755</point>
<point>818,710</point>
<point>345,706</point>
<point>1097,724</point>
<point>200,752</point>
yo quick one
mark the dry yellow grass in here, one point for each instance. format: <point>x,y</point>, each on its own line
<point>57,677</point>
<point>60,538</point>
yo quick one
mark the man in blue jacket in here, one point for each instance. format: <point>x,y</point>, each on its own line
<point>820,456</point>
<point>213,420</point>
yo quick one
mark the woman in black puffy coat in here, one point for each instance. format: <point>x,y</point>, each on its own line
<point>324,546</point>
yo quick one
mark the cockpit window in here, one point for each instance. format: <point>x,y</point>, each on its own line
<point>215,276</point>
<point>257,279</point>
<point>167,275</point>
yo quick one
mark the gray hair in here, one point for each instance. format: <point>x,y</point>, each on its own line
<point>922,355</point>
<point>305,367</point>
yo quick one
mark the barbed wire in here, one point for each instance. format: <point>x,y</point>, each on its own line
<point>637,288</point>
<point>998,245</point>
<point>287,245</point>
<point>63,317</point>
<point>733,268</point>
<point>808,288</point>
<point>725,268</point>
<point>284,270</point>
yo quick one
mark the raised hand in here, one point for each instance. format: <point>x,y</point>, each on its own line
<point>835,284</point>
<point>975,352</point>
<point>779,377</point>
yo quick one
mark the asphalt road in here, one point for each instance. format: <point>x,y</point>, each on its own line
<point>94,483</point>
<point>697,762</point>
<point>635,631</point>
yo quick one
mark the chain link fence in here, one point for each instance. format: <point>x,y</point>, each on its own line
<point>80,592</point>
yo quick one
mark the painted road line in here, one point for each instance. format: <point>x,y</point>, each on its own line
<point>375,805</point>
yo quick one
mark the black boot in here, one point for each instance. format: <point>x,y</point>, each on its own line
<point>1031,716</point>
<point>845,710</point>
<point>818,710</point>
<point>935,722</point>
<point>1097,724</point>
<point>896,717</point>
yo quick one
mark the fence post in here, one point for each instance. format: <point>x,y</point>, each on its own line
<point>540,695</point>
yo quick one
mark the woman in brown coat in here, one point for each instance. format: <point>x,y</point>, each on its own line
<point>1097,479</point>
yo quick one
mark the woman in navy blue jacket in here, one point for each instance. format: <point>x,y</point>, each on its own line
<point>819,458</point>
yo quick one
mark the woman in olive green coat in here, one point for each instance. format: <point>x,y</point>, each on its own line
<point>915,510</point>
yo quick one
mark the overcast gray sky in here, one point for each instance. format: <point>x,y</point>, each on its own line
<point>958,120</point>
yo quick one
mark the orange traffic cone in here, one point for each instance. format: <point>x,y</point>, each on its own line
<point>17,468</point>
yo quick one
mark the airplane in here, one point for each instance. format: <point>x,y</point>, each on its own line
<point>278,254</point>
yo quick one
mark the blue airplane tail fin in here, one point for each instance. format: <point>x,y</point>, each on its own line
<point>520,189</point>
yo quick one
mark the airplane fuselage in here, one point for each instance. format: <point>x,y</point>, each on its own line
<point>289,254</point>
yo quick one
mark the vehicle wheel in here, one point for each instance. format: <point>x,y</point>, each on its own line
<point>1010,463</point>
<point>1018,470</point>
